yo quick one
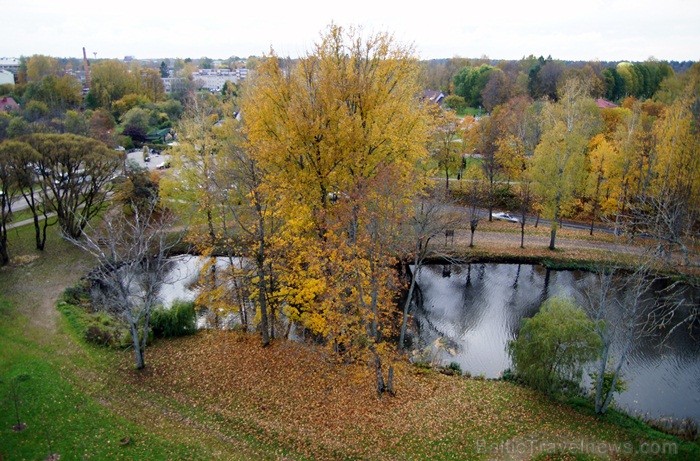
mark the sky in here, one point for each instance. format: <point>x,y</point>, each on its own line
<point>592,30</point>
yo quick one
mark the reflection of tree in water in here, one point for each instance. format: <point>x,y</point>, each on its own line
<point>449,312</point>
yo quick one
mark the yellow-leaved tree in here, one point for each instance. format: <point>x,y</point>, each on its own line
<point>558,166</point>
<point>340,135</point>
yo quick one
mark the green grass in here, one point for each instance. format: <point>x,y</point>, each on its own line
<point>473,111</point>
<point>60,417</point>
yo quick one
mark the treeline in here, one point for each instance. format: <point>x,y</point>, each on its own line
<point>488,83</point>
<point>123,104</point>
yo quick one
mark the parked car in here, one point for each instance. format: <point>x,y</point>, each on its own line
<point>505,217</point>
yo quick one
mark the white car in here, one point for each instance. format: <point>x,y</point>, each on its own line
<point>505,217</point>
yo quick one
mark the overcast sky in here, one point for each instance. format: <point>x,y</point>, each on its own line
<point>614,30</point>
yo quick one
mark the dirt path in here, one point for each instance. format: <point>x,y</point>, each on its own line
<point>34,281</point>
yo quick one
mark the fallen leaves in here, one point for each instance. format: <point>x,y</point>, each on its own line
<point>291,395</point>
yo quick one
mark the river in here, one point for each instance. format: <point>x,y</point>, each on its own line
<point>469,313</point>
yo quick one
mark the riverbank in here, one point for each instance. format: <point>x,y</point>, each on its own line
<point>499,242</point>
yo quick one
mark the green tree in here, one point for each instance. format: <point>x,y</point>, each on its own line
<point>110,81</point>
<point>470,82</point>
<point>455,102</point>
<point>135,123</point>
<point>164,72</point>
<point>552,347</point>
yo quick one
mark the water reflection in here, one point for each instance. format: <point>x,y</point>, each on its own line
<point>478,308</point>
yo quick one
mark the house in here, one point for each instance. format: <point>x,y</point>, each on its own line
<point>8,104</point>
<point>10,64</point>
<point>605,104</point>
<point>433,96</point>
<point>160,136</point>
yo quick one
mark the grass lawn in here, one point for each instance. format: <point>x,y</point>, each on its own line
<point>219,395</point>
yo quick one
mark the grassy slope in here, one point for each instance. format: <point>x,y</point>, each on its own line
<point>220,396</point>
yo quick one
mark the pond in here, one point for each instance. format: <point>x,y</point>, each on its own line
<point>476,309</point>
<point>467,314</point>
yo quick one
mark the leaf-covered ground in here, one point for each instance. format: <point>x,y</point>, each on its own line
<point>294,397</point>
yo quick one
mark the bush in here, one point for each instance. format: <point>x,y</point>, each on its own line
<point>96,335</point>
<point>552,346</point>
<point>179,320</point>
<point>77,295</point>
<point>454,366</point>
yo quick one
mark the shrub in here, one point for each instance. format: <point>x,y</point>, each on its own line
<point>179,320</point>
<point>454,366</point>
<point>77,294</point>
<point>100,336</point>
<point>552,346</point>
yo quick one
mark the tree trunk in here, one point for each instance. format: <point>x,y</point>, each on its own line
<point>4,256</point>
<point>600,380</point>
<point>522,233</point>
<point>553,236</point>
<point>138,352</point>
<point>381,385</point>
<point>390,381</point>
<point>407,303</point>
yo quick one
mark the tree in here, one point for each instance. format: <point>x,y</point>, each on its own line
<point>164,72</point>
<point>110,81</point>
<point>474,180</point>
<point>18,160</point>
<point>497,91</point>
<point>445,141</point>
<point>75,177</point>
<point>670,210</point>
<point>552,347</point>
<point>482,137</point>
<point>40,66</point>
<point>455,102</point>
<point>217,191</point>
<point>131,248</point>
<point>558,164</point>
<point>136,124</point>
<point>430,219</point>
<point>470,82</point>
<point>617,303</point>
<point>8,189</point>
<point>340,135</point>
<point>598,160</point>
<point>516,138</point>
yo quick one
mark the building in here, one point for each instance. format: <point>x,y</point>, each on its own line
<point>11,64</point>
<point>6,77</point>
<point>8,104</point>
<point>605,104</point>
<point>433,96</point>
<point>214,79</point>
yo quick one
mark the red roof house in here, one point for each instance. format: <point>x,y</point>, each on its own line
<point>8,104</point>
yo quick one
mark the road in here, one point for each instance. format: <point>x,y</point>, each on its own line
<point>135,156</point>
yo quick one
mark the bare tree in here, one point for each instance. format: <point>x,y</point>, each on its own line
<point>131,248</point>
<point>432,217</point>
<point>623,306</point>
